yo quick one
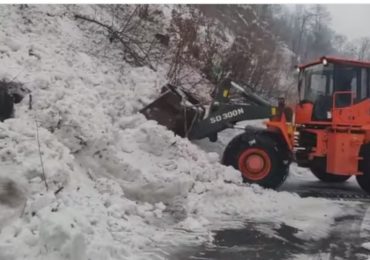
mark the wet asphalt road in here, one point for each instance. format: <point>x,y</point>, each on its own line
<point>249,243</point>
<point>343,242</point>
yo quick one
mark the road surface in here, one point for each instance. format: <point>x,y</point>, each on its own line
<point>343,241</point>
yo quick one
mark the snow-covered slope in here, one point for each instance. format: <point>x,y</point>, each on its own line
<point>118,185</point>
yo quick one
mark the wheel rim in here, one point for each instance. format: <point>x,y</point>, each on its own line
<point>255,164</point>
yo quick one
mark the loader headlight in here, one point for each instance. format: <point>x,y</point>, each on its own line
<point>324,62</point>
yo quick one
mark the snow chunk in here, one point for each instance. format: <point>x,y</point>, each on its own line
<point>366,245</point>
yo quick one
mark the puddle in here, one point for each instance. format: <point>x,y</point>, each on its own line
<point>247,243</point>
<point>269,241</point>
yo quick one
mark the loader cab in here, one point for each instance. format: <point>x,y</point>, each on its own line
<point>330,82</point>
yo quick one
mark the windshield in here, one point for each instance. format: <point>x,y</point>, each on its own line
<point>320,80</point>
<point>315,81</point>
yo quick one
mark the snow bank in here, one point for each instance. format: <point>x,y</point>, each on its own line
<point>118,185</point>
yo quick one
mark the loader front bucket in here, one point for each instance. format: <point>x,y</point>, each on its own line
<point>176,109</point>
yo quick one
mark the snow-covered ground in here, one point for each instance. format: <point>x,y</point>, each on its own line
<point>119,186</point>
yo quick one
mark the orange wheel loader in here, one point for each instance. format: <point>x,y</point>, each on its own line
<point>327,131</point>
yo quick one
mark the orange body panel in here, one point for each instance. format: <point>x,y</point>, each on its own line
<point>355,115</point>
<point>343,150</point>
<point>346,127</point>
<point>339,140</point>
<point>284,128</point>
<point>303,113</point>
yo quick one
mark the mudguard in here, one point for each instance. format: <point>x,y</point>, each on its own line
<point>251,132</point>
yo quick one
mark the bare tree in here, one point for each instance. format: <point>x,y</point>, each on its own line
<point>302,21</point>
<point>185,32</point>
<point>363,49</point>
<point>132,28</point>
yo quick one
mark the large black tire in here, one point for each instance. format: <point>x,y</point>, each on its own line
<point>318,168</point>
<point>364,166</point>
<point>263,148</point>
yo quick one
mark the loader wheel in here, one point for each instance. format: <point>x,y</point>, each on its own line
<point>259,159</point>
<point>318,168</point>
<point>364,166</point>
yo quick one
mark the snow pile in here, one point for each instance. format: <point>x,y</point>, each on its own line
<point>118,185</point>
